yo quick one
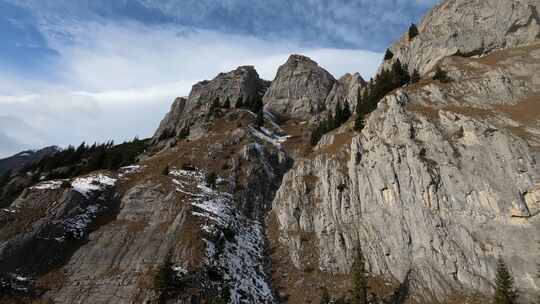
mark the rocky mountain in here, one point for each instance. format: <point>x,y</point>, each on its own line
<point>299,89</point>
<point>233,204</point>
<point>241,85</point>
<point>22,159</point>
<point>469,28</point>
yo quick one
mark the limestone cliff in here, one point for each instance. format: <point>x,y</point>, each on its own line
<point>444,178</point>
<point>299,89</point>
<point>191,113</point>
<point>467,28</point>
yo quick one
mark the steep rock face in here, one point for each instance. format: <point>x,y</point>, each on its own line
<point>464,27</point>
<point>443,180</point>
<point>212,232</point>
<point>346,90</point>
<point>299,89</point>
<point>50,221</point>
<point>241,84</point>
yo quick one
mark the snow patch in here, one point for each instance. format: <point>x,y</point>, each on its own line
<point>87,185</point>
<point>268,136</point>
<point>129,170</point>
<point>49,185</point>
<point>234,243</point>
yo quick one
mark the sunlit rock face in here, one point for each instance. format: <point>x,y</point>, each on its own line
<point>468,28</point>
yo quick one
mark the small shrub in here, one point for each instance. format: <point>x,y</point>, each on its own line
<point>165,170</point>
<point>211,179</point>
<point>413,31</point>
<point>259,120</point>
<point>184,133</point>
<point>227,104</point>
<point>388,55</point>
<point>441,75</point>
<point>188,167</point>
<point>415,77</point>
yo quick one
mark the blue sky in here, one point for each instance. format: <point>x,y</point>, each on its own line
<point>93,70</point>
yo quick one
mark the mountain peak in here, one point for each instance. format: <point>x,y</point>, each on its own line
<point>299,89</point>
<point>468,28</point>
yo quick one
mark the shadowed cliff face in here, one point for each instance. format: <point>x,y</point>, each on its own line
<point>443,179</point>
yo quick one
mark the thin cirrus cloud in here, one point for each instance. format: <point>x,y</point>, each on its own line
<point>111,71</point>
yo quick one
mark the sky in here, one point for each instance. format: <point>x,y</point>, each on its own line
<point>96,70</point>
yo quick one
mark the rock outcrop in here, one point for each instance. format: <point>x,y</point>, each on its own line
<point>242,84</point>
<point>346,90</point>
<point>299,89</point>
<point>466,28</point>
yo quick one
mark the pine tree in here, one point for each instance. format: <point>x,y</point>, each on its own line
<point>441,75</point>
<point>227,104</point>
<point>359,122</point>
<point>400,74</point>
<point>184,133</point>
<point>325,297</point>
<point>388,55</point>
<point>259,120</point>
<point>504,285</point>
<point>413,31</point>
<point>211,179</point>
<point>360,278</point>
<point>338,117</point>
<point>415,77</point>
<point>256,105</point>
<point>214,107</point>
<point>165,280</point>
<point>239,103</point>
<point>165,170</point>
<point>346,112</point>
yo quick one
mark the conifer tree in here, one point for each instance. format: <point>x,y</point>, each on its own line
<point>441,75</point>
<point>504,285</point>
<point>413,31</point>
<point>239,103</point>
<point>184,133</point>
<point>214,107</point>
<point>338,117</point>
<point>256,105</point>
<point>400,74</point>
<point>165,170</point>
<point>259,120</point>
<point>165,280</point>
<point>346,112</point>
<point>415,77</point>
<point>388,55</point>
<point>211,179</point>
<point>359,122</point>
<point>359,278</point>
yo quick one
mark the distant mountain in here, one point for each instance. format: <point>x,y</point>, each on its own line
<point>20,160</point>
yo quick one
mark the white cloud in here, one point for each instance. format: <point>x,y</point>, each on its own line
<point>117,80</point>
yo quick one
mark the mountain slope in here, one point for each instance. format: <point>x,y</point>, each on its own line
<point>234,205</point>
<point>25,158</point>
